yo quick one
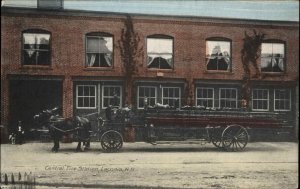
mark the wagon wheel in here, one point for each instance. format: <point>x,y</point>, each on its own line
<point>216,138</point>
<point>217,142</point>
<point>111,141</point>
<point>234,138</point>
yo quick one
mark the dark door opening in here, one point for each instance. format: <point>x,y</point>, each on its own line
<point>29,97</point>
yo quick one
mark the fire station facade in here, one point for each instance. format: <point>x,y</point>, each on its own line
<point>72,59</point>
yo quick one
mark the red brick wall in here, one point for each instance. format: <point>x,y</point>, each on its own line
<point>68,47</point>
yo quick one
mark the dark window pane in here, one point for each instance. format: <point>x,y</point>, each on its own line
<point>141,92</point>
<point>80,102</point>
<point>92,91</point>
<point>92,102</point>
<point>80,91</point>
<point>166,92</point>
<point>105,102</point>
<point>43,58</point>
<point>141,102</point>
<point>86,91</point>
<point>152,92</point>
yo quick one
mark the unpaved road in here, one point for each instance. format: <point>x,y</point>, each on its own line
<point>139,165</point>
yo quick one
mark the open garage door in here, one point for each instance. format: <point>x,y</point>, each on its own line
<point>28,97</point>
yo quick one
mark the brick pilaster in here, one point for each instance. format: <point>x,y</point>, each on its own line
<point>67,97</point>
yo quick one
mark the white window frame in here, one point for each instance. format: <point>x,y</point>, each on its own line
<point>219,56</point>
<point>213,95</point>
<point>268,100</point>
<point>282,58</point>
<point>102,96</point>
<point>77,97</point>
<point>161,53</point>
<point>138,95</point>
<point>290,104</point>
<point>36,50</point>
<point>236,98</point>
<point>162,95</point>
<point>86,50</point>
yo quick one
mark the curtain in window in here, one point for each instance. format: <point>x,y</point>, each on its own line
<point>108,59</point>
<point>218,55</point>
<point>97,49</point>
<point>92,58</point>
<point>36,48</point>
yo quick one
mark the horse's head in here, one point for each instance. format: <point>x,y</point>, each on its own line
<point>45,115</point>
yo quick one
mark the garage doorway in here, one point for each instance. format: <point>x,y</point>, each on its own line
<point>29,97</point>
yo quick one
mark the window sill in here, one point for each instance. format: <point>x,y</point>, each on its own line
<point>36,67</point>
<point>273,73</point>
<point>217,72</point>
<point>160,70</point>
<point>99,69</point>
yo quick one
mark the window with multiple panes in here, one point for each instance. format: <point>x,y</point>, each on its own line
<point>148,94</point>
<point>171,96</point>
<point>272,57</point>
<point>228,98</point>
<point>205,97</point>
<point>36,47</point>
<point>282,99</point>
<point>99,50</point>
<point>218,55</point>
<point>160,52</point>
<point>86,96</point>
<point>260,99</point>
<point>111,95</point>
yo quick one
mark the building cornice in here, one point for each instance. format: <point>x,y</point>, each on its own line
<point>33,12</point>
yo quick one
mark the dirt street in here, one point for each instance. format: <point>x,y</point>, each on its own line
<point>140,165</point>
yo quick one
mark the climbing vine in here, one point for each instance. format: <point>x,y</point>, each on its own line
<point>130,52</point>
<point>250,53</point>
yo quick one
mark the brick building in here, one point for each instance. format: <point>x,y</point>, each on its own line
<point>72,59</point>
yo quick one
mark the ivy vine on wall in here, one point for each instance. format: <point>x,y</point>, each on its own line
<point>249,55</point>
<point>130,52</point>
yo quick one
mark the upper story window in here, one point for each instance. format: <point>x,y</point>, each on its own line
<point>218,54</point>
<point>99,50</point>
<point>272,57</point>
<point>160,52</point>
<point>36,47</point>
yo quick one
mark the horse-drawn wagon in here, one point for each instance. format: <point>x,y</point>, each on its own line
<point>227,129</point>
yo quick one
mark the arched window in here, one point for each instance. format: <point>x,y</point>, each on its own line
<point>99,50</point>
<point>36,47</point>
<point>273,56</point>
<point>218,54</point>
<point>160,52</point>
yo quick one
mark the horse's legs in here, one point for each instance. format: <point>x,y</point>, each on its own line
<point>78,146</point>
<point>56,144</point>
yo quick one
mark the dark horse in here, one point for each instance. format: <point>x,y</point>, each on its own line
<point>58,126</point>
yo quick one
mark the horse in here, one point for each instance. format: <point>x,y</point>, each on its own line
<point>59,126</point>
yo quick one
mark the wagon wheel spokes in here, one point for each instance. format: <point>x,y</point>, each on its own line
<point>217,142</point>
<point>216,139</point>
<point>234,138</point>
<point>111,141</point>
